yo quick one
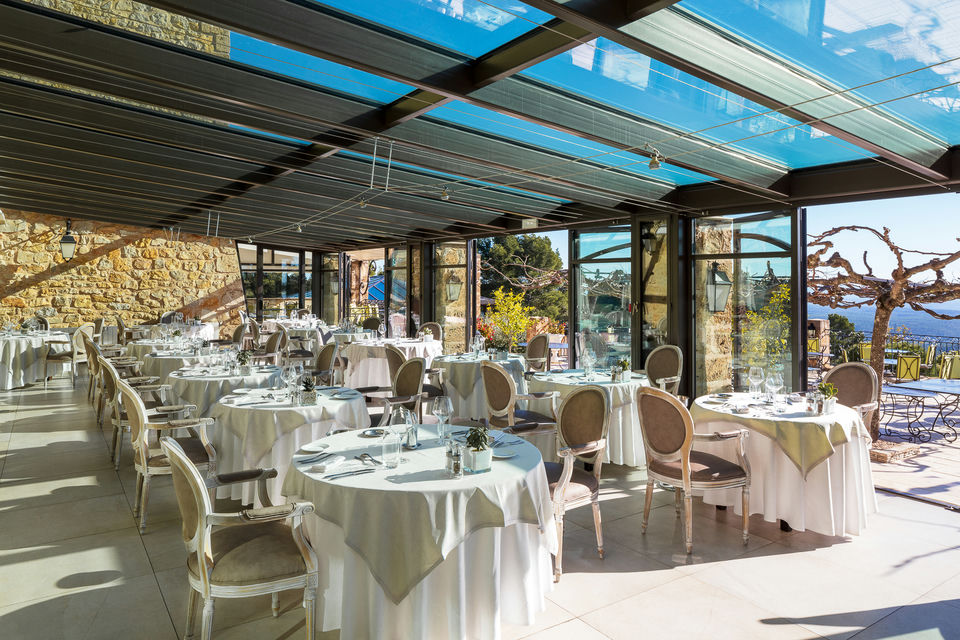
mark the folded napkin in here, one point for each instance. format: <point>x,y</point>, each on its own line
<point>327,465</point>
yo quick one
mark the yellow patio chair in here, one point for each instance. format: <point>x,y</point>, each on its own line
<point>865,348</point>
<point>908,368</point>
<point>813,345</point>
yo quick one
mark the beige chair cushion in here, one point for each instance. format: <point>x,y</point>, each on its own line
<point>582,483</point>
<point>704,467</point>
<point>522,415</point>
<point>193,447</point>
<point>252,553</point>
<point>432,390</point>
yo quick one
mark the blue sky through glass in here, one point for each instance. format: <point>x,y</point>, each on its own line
<point>515,129</point>
<point>613,74</point>
<point>471,27</point>
<point>853,42</point>
<point>324,73</point>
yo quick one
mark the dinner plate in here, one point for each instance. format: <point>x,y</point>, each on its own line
<point>371,433</point>
<point>315,447</point>
<point>503,453</point>
<point>347,395</point>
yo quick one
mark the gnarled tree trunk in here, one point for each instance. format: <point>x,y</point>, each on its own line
<point>881,322</point>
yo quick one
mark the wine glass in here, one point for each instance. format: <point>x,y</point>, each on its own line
<point>774,384</point>
<point>443,409</point>
<point>755,376</point>
<point>289,375</point>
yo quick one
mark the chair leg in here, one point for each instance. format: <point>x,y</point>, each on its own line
<point>117,446</point>
<point>193,601</point>
<point>745,498</point>
<point>598,527</point>
<point>678,498</point>
<point>558,561</point>
<point>647,502</point>
<point>310,609</point>
<point>688,518</point>
<point>206,630</point>
<point>136,502</point>
<point>275,603</point>
<point>143,503</point>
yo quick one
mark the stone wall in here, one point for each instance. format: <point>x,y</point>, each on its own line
<point>132,272</point>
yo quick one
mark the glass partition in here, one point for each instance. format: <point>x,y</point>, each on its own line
<point>247,254</point>
<point>330,288</point>
<point>602,295</point>
<point>397,275</point>
<point>744,274</point>
<point>451,292</point>
<point>654,290</point>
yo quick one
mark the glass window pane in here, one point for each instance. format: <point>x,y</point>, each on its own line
<point>329,261</point>
<point>603,245</point>
<point>749,233</point>
<point>603,316</point>
<point>330,299</point>
<point>450,253</point>
<point>450,304</point>
<point>396,258</point>
<point>749,325</point>
<point>249,279</point>
<point>628,80</point>
<point>473,27</point>
<point>308,289</point>
<point>247,254</point>
<point>852,42</point>
<point>318,71</point>
<point>518,130</point>
<point>281,292</point>
<point>397,309</point>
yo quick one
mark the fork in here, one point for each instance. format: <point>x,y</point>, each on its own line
<point>316,458</point>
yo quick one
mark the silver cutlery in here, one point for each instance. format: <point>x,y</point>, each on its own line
<point>366,457</point>
<point>316,458</point>
<point>346,474</point>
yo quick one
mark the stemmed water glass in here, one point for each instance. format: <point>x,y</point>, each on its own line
<point>289,375</point>
<point>774,384</point>
<point>443,409</point>
<point>755,376</point>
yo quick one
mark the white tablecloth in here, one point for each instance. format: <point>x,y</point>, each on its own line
<point>411,553</point>
<point>140,348</point>
<point>205,330</point>
<point>812,471</point>
<point>367,359</point>
<point>252,434</point>
<point>463,382</point>
<point>163,363</point>
<point>341,337</point>
<point>624,439</point>
<point>204,390</point>
<point>21,357</point>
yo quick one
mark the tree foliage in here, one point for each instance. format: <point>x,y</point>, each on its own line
<point>528,264</point>
<point>508,319</point>
<point>767,334</point>
<point>843,336</point>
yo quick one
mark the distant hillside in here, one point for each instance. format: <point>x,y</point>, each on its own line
<point>918,321</point>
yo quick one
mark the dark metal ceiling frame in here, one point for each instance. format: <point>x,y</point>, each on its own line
<point>676,38</point>
<point>441,76</point>
<point>163,71</point>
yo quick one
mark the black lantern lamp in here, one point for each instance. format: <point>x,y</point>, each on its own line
<point>454,285</point>
<point>68,244</point>
<point>649,241</point>
<point>718,289</point>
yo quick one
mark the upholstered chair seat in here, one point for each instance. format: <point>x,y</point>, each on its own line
<point>191,446</point>
<point>704,467</point>
<point>502,397</point>
<point>583,484</point>
<point>251,554</point>
<point>522,417</point>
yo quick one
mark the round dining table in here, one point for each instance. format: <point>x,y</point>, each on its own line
<point>624,439</point>
<point>410,552</point>
<point>463,381</point>
<point>140,348</point>
<point>255,429</point>
<point>367,359</point>
<point>21,357</point>
<point>162,363</point>
<point>812,471</point>
<point>204,386</point>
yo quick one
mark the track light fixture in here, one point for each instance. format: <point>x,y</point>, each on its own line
<point>444,194</point>
<point>299,229</point>
<point>363,204</point>
<point>655,158</point>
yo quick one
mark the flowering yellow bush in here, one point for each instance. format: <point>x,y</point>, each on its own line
<point>509,318</point>
<point>767,333</point>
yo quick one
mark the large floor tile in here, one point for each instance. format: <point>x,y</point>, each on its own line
<point>58,490</point>
<point>692,610</point>
<point>926,621</point>
<point>575,629</point>
<point>92,562</point>
<point>590,582</point>
<point>131,609</point>
<point>24,527</point>
<point>825,598</point>
<point>33,467</point>
<point>552,615</point>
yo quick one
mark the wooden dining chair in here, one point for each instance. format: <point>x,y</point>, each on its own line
<point>668,441</point>
<point>148,460</point>
<point>857,387</point>
<point>582,423</point>
<point>407,390</point>
<point>272,350</point>
<point>371,323</point>
<point>664,367</point>
<point>239,554</point>
<point>501,398</point>
<point>537,357</point>
<point>75,356</point>
<point>435,329</point>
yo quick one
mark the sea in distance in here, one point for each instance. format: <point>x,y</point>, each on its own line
<point>918,322</point>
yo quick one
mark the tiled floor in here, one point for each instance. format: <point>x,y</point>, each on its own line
<point>72,564</point>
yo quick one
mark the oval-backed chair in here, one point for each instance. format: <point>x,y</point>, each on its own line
<point>669,439</point>
<point>435,329</point>
<point>407,389</point>
<point>664,367</point>
<point>502,396</point>
<point>538,353</point>
<point>857,387</point>
<point>582,422</point>
<point>371,323</point>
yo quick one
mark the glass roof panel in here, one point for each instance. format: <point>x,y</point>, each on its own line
<point>854,42</point>
<point>294,64</point>
<point>472,27</point>
<point>625,79</point>
<point>540,136</point>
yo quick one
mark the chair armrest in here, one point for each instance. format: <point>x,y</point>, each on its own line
<point>366,390</point>
<point>179,424</point>
<point>721,435</point>
<point>262,514</point>
<point>250,475</point>
<point>866,407</point>
<point>669,380</point>
<point>581,449</point>
<point>528,428</point>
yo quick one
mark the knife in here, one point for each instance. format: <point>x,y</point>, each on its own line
<point>344,474</point>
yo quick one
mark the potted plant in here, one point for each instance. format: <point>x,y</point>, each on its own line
<point>829,393</point>
<point>478,456</point>
<point>622,369</point>
<point>243,359</point>
<point>501,345</point>
<point>427,334</point>
<point>308,393</point>
<point>177,333</point>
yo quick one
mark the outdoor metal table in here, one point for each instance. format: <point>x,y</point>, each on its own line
<point>915,401</point>
<point>948,388</point>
